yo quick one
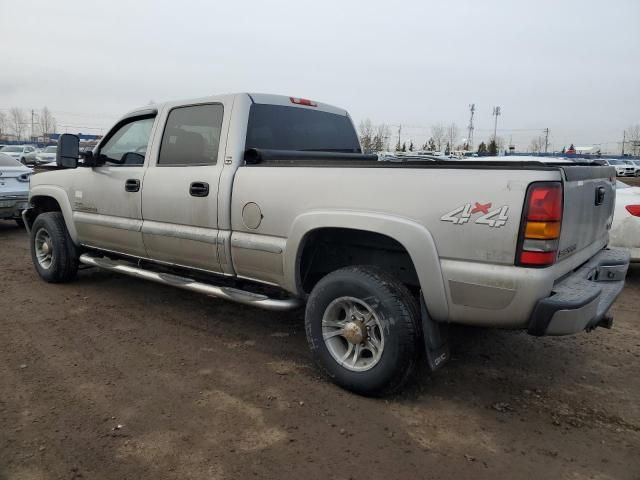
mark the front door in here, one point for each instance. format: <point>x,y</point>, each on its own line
<point>180,194</point>
<point>106,199</point>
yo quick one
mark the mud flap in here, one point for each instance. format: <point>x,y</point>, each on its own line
<point>436,339</point>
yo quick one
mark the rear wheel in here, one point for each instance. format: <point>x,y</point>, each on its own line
<point>363,327</point>
<point>53,253</point>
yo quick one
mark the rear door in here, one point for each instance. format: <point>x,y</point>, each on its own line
<point>180,194</point>
<point>589,200</point>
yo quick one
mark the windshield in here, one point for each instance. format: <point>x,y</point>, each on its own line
<point>50,150</point>
<point>7,161</point>
<point>292,128</point>
<point>618,162</point>
<point>11,149</point>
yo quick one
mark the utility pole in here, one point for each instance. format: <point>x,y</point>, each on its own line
<point>546,139</point>
<point>32,115</point>
<point>399,135</point>
<point>496,113</point>
<point>472,109</point>
<point>624,137</point>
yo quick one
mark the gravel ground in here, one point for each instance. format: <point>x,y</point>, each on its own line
<point>114,378</point>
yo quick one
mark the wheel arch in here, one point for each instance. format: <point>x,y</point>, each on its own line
<point>49,198</point>
<point>413,237</point>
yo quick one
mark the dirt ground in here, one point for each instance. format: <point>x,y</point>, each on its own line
<point>114,378</point>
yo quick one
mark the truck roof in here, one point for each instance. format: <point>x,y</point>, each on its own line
<point>260,98</point>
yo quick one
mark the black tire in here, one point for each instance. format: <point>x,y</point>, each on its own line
<point>397,312</point>
<point>63,265</point>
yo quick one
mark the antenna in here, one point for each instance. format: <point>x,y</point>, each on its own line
<point>472,109</point>
<point>496,113</point>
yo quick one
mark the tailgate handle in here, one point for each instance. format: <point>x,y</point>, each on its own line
<point>199,189</point>
<point>600,192</point>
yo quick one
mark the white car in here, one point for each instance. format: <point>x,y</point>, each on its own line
<point>625,231</point>
<point>636,164</point>
<point>624,168</point>
<point>47,155</point>
<point>19,152</point>
<point>14,188</point>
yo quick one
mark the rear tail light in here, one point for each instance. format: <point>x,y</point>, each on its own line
<point>541,223</point>
<point>633,210</point>
<point>303,101</point>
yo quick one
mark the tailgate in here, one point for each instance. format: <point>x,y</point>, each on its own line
<point>589,200</point>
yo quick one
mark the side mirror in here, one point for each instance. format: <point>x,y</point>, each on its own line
<point>68,151</point>
<point>89,160</point>
<point>132,158</point>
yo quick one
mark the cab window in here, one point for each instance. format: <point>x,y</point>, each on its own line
<point>191,136</point>
<point>128,144</point>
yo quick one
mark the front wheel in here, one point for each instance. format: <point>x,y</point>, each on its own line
<point>363,328</point>
<point>53,253</point>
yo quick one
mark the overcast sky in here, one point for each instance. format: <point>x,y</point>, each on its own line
<point>571,66</point>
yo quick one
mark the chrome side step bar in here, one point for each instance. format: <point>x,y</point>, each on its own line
<point>227,293</point>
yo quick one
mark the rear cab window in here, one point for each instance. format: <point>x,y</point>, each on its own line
<point>192,136</point>
<point>278,127</point>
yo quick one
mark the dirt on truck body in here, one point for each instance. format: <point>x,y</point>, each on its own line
<point>111,377</point>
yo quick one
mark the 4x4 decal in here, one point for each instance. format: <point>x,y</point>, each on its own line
<point>495,218</point>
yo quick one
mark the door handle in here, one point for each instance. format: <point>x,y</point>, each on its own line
<point>132,185</point>
<point>199,189</point>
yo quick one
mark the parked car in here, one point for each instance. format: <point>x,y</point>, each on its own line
<point>48,154</point>
<point>625,230</point>
<point>623,167</point>
<point>636,164</point>
<point>19,152</point>
<point>14,188</point>
<point>268,201</point>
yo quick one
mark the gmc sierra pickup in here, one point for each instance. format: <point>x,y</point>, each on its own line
<point>268,201</point>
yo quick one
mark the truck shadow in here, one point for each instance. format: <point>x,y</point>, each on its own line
<point>9,227</point>
<point>484,362</point>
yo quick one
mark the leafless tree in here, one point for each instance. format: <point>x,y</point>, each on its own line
<point>46,122</point>
<point>366,135</point>
<point>633,137</point>
<point>439,135</point>
<point>18,121</point>
<point>380,138</point>
<point>373,138</point>
<point>452,134</point>
<point>537,144</point>
<point>3,123</point>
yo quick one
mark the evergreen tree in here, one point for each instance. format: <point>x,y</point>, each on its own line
<point>411,146</point>
<point>404,146</point>
<point>447,149</point>
<point>482,149</point>
<point>492,149</point>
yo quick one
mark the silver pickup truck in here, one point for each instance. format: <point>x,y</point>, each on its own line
<point>268,201</point>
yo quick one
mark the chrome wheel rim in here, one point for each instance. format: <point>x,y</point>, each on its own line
<point>353,334</point>
<point>44,249</point>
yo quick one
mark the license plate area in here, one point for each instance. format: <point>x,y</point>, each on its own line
<point>610,273</point>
